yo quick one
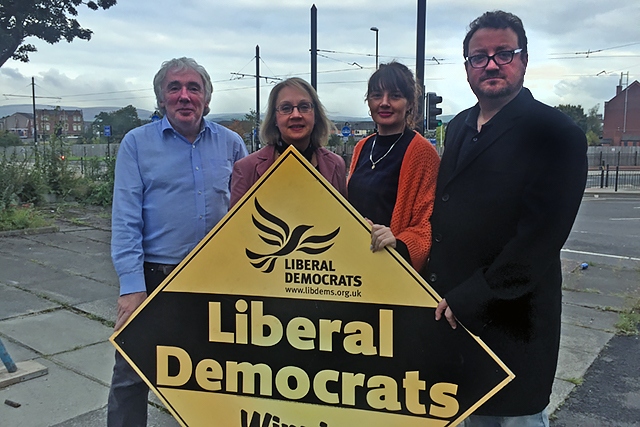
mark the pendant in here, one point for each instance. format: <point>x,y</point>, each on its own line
<point>373,166</point>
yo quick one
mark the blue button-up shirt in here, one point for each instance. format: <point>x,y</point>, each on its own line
<point>168,194</point>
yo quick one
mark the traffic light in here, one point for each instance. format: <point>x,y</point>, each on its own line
<point>433,110</point>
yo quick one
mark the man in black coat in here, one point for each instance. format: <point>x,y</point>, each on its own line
<point>510,183</point>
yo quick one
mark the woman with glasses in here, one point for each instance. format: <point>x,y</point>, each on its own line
<point>392,178</point>
<point>294,117</point>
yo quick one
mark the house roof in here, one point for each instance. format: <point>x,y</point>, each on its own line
<point>634,85</point>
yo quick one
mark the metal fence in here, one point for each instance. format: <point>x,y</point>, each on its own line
<point>614,178</point>
<point>75,150</point>
<point>609,167</point>
<point>616,168</point>
<point>613,156</point>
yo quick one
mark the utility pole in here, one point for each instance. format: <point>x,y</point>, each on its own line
<point>255,133</point>
<point>257,77</point>
<point>420,48</point>
<point>314,47</point>
<point>376,30</point>
<point>33,98</point>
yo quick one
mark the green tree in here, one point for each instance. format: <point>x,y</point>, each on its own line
<point>576,112</point>
<point>251,117</point>
<point>334,140</point>
<point>245,127</point>
<point>441,132</point>
<point>594,122</point>
<point>590,123</point>
<point>48,20</point>
<point>592,138</point>
<point>121,121</point>
<point>8,139</point>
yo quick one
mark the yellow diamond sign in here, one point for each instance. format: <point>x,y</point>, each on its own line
<point>282,316</point>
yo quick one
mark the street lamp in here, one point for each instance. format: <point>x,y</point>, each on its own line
<point>375,29</point>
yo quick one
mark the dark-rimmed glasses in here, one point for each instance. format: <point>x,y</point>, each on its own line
<point>500,58</point>
<point>286,109</point>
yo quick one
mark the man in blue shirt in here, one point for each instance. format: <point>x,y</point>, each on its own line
<point>171,187</point>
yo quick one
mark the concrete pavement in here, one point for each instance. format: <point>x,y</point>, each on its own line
<point>57,303</point>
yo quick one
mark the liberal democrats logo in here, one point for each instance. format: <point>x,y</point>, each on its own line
<point>277,233</point>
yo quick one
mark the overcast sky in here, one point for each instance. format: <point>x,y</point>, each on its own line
<point>133,38</point>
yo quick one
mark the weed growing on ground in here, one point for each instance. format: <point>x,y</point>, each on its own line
<point>628,321</point>
<point>574,380</point>
<point>20,218</point>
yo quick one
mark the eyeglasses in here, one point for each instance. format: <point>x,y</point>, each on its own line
<point>500,58</point>
<point>303,108</point>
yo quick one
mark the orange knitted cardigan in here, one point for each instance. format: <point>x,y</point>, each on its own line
<point>416,194</point>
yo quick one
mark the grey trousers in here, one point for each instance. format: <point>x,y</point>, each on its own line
<point>128,395</point>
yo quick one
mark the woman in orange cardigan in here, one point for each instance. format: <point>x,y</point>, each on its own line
<point>392,179</point>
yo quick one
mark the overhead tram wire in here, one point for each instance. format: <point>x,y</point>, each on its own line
<point>589,52</point>
<point>438,61</point>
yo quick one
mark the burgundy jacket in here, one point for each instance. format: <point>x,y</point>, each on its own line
<point>246,171</point>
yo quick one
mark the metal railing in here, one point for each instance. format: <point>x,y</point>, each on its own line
<point>616,168</point>
<point>614,178</point>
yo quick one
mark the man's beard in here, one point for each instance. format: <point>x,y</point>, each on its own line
<point>497,93</point>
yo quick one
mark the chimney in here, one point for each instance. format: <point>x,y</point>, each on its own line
<point>619,87</point>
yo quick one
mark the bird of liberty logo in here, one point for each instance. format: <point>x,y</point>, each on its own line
<point>276,233</point>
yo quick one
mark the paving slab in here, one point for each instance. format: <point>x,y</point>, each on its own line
<point>608,280</point>
<point>91,257</point>
<point>74,263</point>
<point>17,351</point>
<point>579,337</point>
<point>95,241</point>
<point>94,361</point>
<point>24,271</point>
<point>579,347</point>
<point>559,392</point>
<point>22,247</point>
<point>51,399</point>
<point>59,259</point>
<point>593,318</point>
<point>55,332</point>
<point>597,300</point>
<point>98,418</point>
<point>72,289</point>
<point>16,302</point>
<point>573,363</point>
<point>7,260</point>
<point>106,309</point>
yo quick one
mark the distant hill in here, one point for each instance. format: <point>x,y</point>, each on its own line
<point>90,113</point>
<point>346,119</point>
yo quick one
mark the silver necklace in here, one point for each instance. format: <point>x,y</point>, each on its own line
<point>373,145</point>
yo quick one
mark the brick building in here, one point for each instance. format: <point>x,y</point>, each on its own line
<point>71,123</point>
<point>20,124</point>
<point>622,117</point>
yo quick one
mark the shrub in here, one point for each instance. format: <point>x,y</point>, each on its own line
<point>15,218</point>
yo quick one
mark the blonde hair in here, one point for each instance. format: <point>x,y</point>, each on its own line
<point>269,132</point>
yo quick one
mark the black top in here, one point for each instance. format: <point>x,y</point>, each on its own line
<point>373,192</point>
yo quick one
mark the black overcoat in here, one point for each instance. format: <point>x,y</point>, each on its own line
<point>499,222</point>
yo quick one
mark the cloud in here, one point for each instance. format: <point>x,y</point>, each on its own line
<point>132,39</point>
